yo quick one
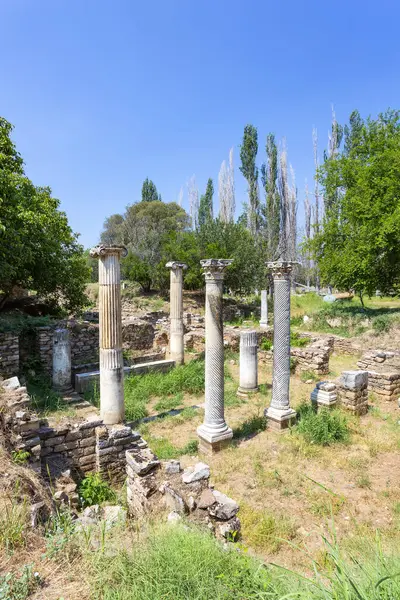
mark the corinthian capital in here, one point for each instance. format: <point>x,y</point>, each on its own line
<point>214,267</point>
<point>281,269</point>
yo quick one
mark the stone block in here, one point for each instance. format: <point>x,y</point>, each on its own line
<point>354,380</point>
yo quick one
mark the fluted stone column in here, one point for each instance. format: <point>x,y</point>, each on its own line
<point>176,345</point>
<point>112,409</point>
<point>248,363</point>
<point>264,309</point>
<point>279,413</point>
<point>61,360</point>
<point>214,433</point>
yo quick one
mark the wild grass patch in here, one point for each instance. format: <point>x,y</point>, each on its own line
<point>322,427</point>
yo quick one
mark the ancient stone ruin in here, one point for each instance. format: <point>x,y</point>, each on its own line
<point>383,368</point>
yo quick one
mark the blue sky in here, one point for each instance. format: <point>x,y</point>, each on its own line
<point>106,93</point>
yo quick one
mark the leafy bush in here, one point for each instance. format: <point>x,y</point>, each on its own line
<point>14,587</point>
<point>266,344</point>
<point>297,341</point>
<point>324,427</point>
<point>94,490</point>
<point>382,323</point>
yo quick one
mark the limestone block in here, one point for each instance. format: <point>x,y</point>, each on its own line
<point>354,380</point>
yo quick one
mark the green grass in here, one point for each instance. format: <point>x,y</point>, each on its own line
<point>139,390</point>
<point>324,427</point>
<point>13,523</point>
<point>183,563</point>
<point>169,402</point>
<point>252,426</point>
<point>46,401</point>
<point>165,450</point>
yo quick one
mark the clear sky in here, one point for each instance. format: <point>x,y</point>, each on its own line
<point>106,93</point>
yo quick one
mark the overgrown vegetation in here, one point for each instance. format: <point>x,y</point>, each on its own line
<point>94,490</point>
<point>323,427</point>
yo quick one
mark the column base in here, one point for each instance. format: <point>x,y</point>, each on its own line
<point>324,400</point>
<point>212,442</point>
<point>244,392</point>
<point>264,324</point>
<point>280,419</point>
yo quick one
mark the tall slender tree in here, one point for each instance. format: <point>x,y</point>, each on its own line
<point>180,196</point>
<point>149,191</point>
<point>272,209</point>
<point>316,211</point>
<point>226,190</point>
<point>248,154</point>
<point>193,194</point>
<point>206,205</point>
<point>307,231</point>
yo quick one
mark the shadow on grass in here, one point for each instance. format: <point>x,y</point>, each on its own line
<point>250,428</point>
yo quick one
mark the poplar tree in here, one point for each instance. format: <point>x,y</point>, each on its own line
<point>206,205</point>
<point>248,154</point>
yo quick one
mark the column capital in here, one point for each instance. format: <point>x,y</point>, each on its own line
<point>103,250</point>
<point>281,269</point>
<point>214,268</point>
<point>174,265</point>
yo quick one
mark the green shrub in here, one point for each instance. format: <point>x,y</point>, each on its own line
<point>297,341</point>
<point>20,457</point>
<point>94,490</point>
<point>382,323</point>
<point>14,587</point>
<point>324,427</point>
<point>266,344</point>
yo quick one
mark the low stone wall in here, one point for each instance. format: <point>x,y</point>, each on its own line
<point>137,334</point>
<point>9,354</point>
<point>345,346</point>
<point>84,344</point>
<point>383,373</point>
<point>313,358</point>
<point>153,487</point>
<point>83,447</point>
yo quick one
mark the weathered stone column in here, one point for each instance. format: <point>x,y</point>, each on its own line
<point>214,433</point>
<point>61,360</point>
<point>176,346</point>
<point>264,309</point>
<point>248,363</point>
<point>279,413</point>
<point>112,409</point>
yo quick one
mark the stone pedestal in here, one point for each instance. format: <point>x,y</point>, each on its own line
<point>176,344</point>
<point>112,408</point>
<point>280,415</point>
<point>353,391</point>
<point>61,360</point>
<point>264,309</point>
<point>248,362</point>
<point>214,433</point>
<point>324,394</point>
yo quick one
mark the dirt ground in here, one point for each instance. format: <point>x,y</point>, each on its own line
<point>293,490</point>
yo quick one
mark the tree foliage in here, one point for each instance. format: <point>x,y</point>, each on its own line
<point>206,205</point>
<point>248,154</point>
<point>272,209</point>
<point>38,249</point>
<point>149,191</point>
<point>358,245</point>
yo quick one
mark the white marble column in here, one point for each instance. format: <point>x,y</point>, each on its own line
<point>279,413</point>
<point>176,345</point>
<point>214,433</point>
<point>248,363</point>
<point>112,408</point>
<point>61,360</point>
<point>264,309</point>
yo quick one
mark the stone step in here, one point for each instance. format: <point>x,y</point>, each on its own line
<point>84,381</point>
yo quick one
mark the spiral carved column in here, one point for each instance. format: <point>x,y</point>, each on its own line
<point>176,345</point>
<point>214,433</point>
<point>112,406</point>
<point>279,413</point>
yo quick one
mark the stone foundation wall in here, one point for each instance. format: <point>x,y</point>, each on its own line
<point>137,334</point>
<point>345,346</point>
<point>9,354</point>
<point>154,487</point>
<point>383,373</point>
<point>84,344</point>
<point>84,447</point>
<point>314,358</point>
